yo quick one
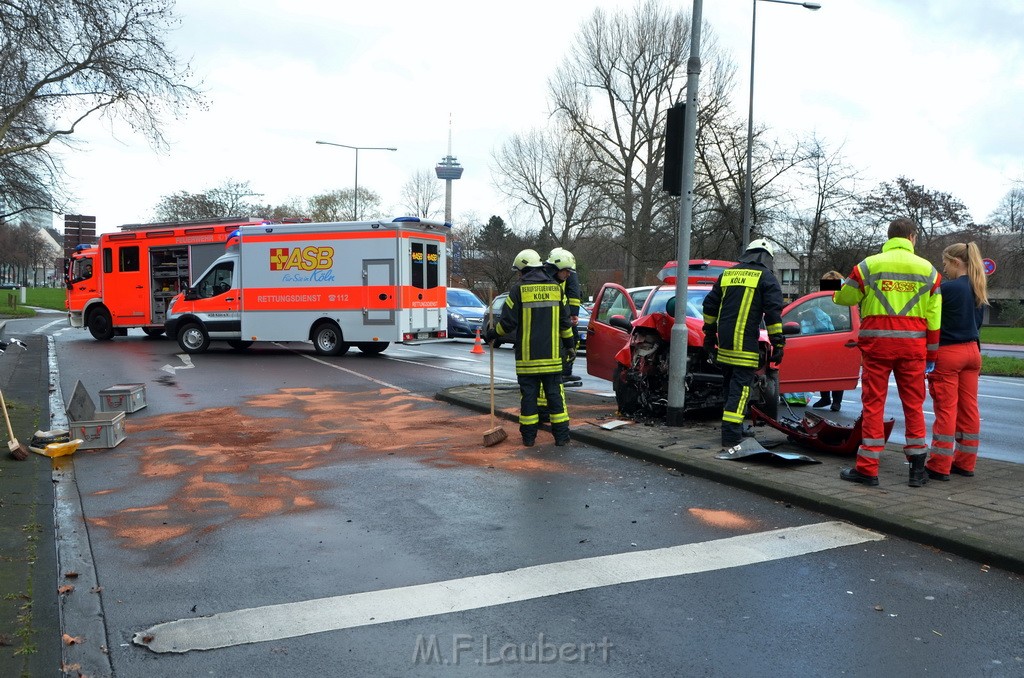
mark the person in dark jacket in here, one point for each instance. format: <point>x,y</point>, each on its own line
<point>741,297</point>
<point>561,264</point>
<point>536,306</point>
<point>953,382</point>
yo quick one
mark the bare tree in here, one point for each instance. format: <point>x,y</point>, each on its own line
<point>421,194</point>
<point>827,179</point>
<point>341,205</point>
<point>1009,215</point>
<point>551,173</point>
<point>230,199</point>
<point>613,90</point>
<point>935,212</point>
<point>62,61</point>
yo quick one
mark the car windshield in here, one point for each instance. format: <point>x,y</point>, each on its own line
<point>457,297</point>
<point>694,301</point>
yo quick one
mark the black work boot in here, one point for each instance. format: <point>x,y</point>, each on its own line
<point>561,433</point>
<point>824,401</point>
<point>837,401</point>
<point>918,473</point>
<point>529,434</point>
<point>855,476</point>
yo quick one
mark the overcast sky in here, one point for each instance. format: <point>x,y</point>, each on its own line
<point>929,89</point>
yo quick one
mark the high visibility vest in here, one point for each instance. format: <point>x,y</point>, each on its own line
<point>900,302</point>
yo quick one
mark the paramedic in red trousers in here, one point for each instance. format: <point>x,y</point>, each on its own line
<point>733,309</point>
<point>954,381</point>
<point>900,310</point>
<point>536,306</point>
<point>561,264</point>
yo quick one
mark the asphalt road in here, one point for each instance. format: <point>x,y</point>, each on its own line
<point>259,479</point>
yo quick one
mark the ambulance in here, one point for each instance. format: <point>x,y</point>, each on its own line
<point>363,284</point>
<point>128,278</point>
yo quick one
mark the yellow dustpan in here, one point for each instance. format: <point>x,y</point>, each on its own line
<point>58,449</point>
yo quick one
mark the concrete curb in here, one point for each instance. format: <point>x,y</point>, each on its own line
<point>881,517</point>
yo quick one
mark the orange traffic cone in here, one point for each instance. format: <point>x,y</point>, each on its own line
<point>478,346</point>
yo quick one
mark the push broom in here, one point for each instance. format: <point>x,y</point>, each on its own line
<point>18,450</point>
<point>495,434</point>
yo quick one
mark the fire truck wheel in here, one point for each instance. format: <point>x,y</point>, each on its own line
<point>372,347</point>
<point>152,331</point>
<point>100,325</point>
<point>193,338</point>
<point>239,345</point>
<point>327,339</point>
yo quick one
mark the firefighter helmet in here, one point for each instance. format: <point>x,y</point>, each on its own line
<point>761,244</point>
<point>562,259</point>
<point>526,259</point>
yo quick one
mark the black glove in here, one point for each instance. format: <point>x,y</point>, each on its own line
<point>489,335</point>
<point>777,351</point>
<point>710,338</point>
<point>569,347</point>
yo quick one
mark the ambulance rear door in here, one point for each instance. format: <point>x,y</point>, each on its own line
<point>423,286</point>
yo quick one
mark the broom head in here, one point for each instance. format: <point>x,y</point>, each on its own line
<point>18,450</point>
<point>494,436</point>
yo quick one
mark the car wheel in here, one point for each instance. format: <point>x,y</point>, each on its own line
<point>239,344</point>
<point>627,395</point>
<point>101,327</point>
<point>193,338</point>
<point>769,386</point>
<point>327,339</point>
<point>372,347</point>
<point>152,331</point>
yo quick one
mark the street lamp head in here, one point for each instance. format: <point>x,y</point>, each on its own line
<point>812,5</point>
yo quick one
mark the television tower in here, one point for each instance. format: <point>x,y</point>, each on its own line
<point>448,170</point>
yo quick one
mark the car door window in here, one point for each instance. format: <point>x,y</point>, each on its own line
<point>613,302</point>
<point>820,315</point>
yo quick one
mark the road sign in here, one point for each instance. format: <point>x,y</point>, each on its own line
<point>990,266</point>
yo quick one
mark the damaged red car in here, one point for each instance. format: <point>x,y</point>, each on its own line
<point>630,348</point>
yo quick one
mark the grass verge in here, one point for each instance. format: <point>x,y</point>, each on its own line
<point>1002,367</point>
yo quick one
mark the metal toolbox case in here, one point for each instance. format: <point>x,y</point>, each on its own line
<point>125,398</point>
<point>98,430</point>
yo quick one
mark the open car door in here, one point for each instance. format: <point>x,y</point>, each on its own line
<point>824,356</point>
<point>603,340</point>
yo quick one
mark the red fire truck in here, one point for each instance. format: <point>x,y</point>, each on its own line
<point>127,279</point>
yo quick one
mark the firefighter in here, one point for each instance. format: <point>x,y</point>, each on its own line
<point>561,264</point>
<point>900,312</point>
<point>536,307</point>
<point>733,310</point>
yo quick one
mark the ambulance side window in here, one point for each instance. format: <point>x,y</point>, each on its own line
<point>216,281</point>
<point>433,260</point>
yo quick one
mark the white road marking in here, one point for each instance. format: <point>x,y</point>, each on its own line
<point>186,359</point>
<point>42,330</point>
<point>450,369</point>
<point>348,371</point>
<point>289,620</point>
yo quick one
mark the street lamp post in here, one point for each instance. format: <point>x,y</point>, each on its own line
<point>355,194</point>
<point>748,184</point>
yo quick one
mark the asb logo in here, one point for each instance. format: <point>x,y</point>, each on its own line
<point>302,259</point>
<point>898,286</point>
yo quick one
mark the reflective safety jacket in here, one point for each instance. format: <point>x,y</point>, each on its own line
<point>571,288</point>
<point>741,296</point>
<point>900,302</point>
<point>537,307</point>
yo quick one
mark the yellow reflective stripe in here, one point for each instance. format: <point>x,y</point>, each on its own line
<point>774,328</point>
<point>529,419</point>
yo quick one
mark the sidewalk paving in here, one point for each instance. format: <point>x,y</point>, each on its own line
<point>29,642</point>
<point>981,518</point>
